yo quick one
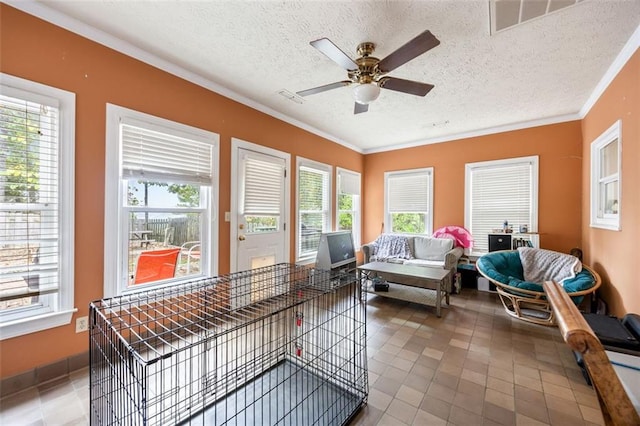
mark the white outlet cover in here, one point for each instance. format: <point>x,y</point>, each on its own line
<point>82,324</point>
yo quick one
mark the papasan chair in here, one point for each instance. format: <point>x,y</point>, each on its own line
<point>520,287</point>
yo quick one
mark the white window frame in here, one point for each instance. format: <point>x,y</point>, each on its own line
<point>116,213</point>
<point>357,204</point>
<point>60,309</point>
<point>326,226</point>
<point>429,214</point>
<point>470,167</point>
<point>599,218</point>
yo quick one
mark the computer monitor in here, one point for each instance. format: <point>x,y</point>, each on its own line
<point>335,250</point>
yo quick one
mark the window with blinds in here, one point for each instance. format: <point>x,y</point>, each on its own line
<point>36,204</point>
<point>499,191</point>
<point>314,206</point>
<point>160,177</point>
<point>348,202</point>
<point>409,201</point>
<point>263,198</point>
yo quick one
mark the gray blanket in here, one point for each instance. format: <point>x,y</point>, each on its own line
<point>391,246</point>
<point>541,265</point>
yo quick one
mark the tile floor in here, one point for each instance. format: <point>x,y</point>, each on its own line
<point>473,366</point>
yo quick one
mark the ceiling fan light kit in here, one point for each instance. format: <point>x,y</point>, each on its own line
<point>368,72</point>
<point>365,93</point>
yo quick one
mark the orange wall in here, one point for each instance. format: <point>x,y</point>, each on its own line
<point>558,146</point>
<point>41,52</point>
<point>614,254</point>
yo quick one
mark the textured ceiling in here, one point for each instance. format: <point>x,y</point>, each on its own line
<point>544,68</point>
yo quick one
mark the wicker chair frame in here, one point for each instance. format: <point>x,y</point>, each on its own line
<point>533,306</point>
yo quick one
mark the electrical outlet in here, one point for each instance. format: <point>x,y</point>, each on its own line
<point>82,324</point>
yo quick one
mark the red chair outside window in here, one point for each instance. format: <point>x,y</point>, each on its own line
<point>156,265</point>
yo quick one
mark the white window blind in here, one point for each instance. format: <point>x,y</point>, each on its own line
<point>348,203</point>
<point>348,182</point>
<point>151,154</point>
<point>37,146</point>
<point>262,186</point>
<point>501,191</point>
<point>408,192</point>
<point>313,190</point>
<point>314,206</point>
<point>29,200</point>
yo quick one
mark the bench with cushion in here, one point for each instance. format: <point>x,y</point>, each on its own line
<point>414,250</point>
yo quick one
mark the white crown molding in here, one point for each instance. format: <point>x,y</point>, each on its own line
<point>59,19</point>
<point>50,15</point>
<point>481,132</point>
<point>623,57</point>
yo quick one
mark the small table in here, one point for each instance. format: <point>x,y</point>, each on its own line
<point>416,277</point>
<point>141,236</point>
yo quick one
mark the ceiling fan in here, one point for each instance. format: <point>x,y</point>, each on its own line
<point>368,72</point>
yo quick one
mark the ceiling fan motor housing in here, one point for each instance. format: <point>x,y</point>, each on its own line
<point>367,71</point>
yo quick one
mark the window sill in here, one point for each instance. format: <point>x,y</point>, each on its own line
<point>151,287</point>
<point>306,261</point>
<point>28,325</point>
<point>608,226</point>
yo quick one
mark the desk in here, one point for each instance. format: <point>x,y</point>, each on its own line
<point>141,236</point>
<point>413,279</point>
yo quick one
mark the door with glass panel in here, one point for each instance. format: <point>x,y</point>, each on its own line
<point>260,228</point>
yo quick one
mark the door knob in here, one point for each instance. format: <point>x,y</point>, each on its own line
<point>241,237</point>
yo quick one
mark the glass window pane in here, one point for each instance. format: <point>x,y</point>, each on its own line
<point>411,223</point>
<point>610,195</point>
<point>345,202</point>
<point>311,228</point>
<point>345,221</point>
<point>162,194</point>
<point>261,224</point>
<point>158,234</point>
<point>17,260</point>
<point>609,159</point>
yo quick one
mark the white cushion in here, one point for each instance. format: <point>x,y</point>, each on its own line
<point>422,262</point>
<point>428,248</point>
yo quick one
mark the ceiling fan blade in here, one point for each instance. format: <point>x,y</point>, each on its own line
<point>408,51</point>
<point>359,108</point>
<point>334,53</point>
<point>324,88</point>
<point>405,86</point>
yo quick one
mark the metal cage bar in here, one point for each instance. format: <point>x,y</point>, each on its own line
<point>279,345</point>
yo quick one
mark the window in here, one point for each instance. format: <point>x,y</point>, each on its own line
<point>348,202</point>
<point>160,202</point>
<point>605,179</point>
<point>409,201</point>
<point>314,206</point>
<point>37,146</point>
<point>499,191</point>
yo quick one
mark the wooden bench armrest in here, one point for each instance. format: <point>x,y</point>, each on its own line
<point>616,406</point>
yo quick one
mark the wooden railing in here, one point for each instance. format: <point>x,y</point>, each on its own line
<point>616,406</point>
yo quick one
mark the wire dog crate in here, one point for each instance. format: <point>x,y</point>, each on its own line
<point>280,345</point>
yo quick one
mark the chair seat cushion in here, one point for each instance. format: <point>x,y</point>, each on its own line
<point>505,267</point>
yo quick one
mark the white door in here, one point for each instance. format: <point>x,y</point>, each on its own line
<point>260,212</point>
